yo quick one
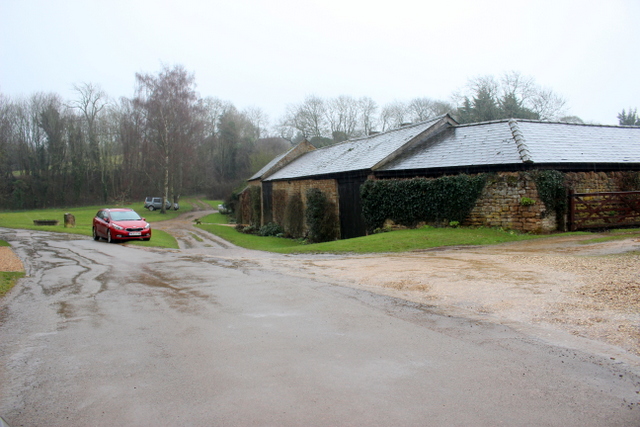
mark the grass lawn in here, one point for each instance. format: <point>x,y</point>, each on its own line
<point>84,217</point>
<point>215,218</point>
<point>213,203</point>
<point>619,234</point>
<point>396,241</point>
<point>8,279</point>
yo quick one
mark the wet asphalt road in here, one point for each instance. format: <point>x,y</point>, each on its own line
<point>106,334</point>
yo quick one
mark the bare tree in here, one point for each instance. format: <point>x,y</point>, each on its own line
<point>342,116</point>
<point>92,100</point>
<point>259,119</point>
<point>172,110</point>
<point>308,118</point>
<point>393,115</point>
<point>368,109</point>
<point>513,95</point>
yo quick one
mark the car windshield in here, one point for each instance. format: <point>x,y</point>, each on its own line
<point>125,216</point>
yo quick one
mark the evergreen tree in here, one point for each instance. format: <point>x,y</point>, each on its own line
<point>629,119</point>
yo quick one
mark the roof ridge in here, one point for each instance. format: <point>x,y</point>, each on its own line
<point>412,125</point>
<point>547,122</point>
<point>521,143</point>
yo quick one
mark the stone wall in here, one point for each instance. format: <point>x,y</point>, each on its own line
<point>243,209</point>
<point>501,203</point>
<point>510,200</point>
<point>283,190</point>
<point>597,182</point>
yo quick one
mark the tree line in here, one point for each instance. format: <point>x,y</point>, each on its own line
<point>166,140</point>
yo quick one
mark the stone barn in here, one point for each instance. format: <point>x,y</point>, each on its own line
<point>513,154</point>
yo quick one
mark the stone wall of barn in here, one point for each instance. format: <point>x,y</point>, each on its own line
<point>505,201</point>
<point>510,200</point>
<point>243,208</point>
<point>283,190</point>
<point>596,182</point>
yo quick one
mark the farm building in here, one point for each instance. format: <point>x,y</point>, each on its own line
<point>514,157</point>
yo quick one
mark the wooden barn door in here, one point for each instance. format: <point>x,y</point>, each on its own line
<point>351,219</point>
<point>267,202</point>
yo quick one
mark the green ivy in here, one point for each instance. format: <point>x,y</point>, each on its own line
<point>553,192</point>
<point>294,217</point>
<point>321,217</point>
<point>408,202</point>
<point>256,208</point>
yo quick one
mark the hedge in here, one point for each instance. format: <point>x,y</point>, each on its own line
<point>410,201</point>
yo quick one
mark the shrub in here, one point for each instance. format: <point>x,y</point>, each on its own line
<point>527,201</point>
<point>293,217</point>
<point>411,201</point>
<point>247,229</point>
<point>270,229</point>
<point>321,217</point>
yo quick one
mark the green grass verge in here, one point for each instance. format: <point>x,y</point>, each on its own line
<point>7,280</point>
<point>84,217</point>
<point>618,234</point>
<point>215,218</point>
<point>213,203</point>
<point>249,241</point>
<point>396,241</point>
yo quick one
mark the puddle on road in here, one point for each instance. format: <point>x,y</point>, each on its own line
<point>181,298</point>
<point>220,262</point>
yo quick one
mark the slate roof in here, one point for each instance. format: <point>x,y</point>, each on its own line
<point>563,142</point>
<point>271,164</point>
<point>352,155</point>
<point>522,141</point>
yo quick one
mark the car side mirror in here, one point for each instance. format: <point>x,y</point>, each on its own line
<point>144,219</point>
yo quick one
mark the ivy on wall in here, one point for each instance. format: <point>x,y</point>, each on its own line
<point>321,217</point>
<point>553,193</point>
<point>629,181</point>
<point>256,207</point>
<point>408,202</point>
<point>294,217</point>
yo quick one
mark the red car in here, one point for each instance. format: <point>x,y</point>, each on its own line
<point>120,224</point>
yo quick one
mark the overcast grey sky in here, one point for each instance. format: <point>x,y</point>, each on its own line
<point>272,53</point>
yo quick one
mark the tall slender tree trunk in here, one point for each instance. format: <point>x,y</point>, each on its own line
<point>165,187</point>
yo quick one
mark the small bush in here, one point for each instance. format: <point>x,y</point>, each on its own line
<point>247,229</point>
<point>271,229</point>
<point>526,201</point>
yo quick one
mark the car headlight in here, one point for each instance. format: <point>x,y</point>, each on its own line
<point>147,226</point>
<point>117,227</point>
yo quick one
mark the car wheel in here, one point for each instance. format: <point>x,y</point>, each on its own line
<point>109,238</point>
<point>95,234</point>
<point>146,239</point>
<point>151,208</point>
